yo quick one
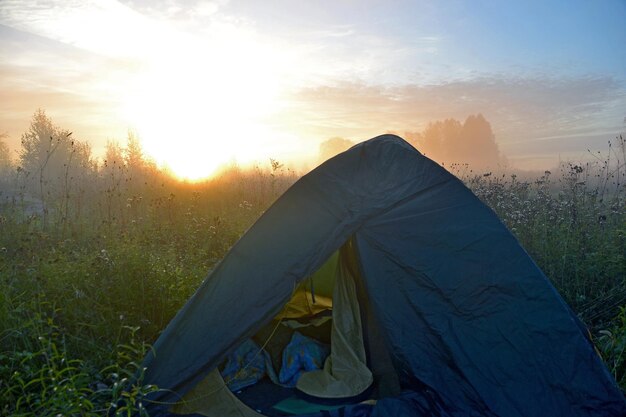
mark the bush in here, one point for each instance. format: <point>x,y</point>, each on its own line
<point>39,377</point>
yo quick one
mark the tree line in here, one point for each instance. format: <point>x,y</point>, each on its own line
<point>56,183</point>
<point>57,173</point>
<point>447,142</point>
<point>58,176</point>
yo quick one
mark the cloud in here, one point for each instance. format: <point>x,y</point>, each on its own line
<point>93,118</point>
<point>84,58</point>
<point>78,88</point>
<point>176,8</point>
<point>101,26</point>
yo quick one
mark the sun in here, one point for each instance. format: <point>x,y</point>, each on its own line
<point>203,106</point>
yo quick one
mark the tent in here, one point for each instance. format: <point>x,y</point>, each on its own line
<point>451,307</point>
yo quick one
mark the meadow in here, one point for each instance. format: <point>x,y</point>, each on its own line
<point>94,262</point>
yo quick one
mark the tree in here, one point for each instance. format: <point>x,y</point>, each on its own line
<point>54,163</point>
<point>438,138</point>
<point>114,161</point>
<point>114,176</point>
<point>6,163</point>
<point>332,147</point>
<point>478,143</point>
<point>137,168</point>
<point>134,153</point>
<point>448,141</point>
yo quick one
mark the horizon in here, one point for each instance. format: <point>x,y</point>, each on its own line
<point>220,81</point>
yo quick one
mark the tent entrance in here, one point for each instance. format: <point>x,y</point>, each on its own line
<point>326,311</point>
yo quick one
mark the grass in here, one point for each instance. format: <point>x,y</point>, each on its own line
<point>87,290</point>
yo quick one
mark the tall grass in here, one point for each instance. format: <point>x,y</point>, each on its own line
<point>97,272</point>
<point>573,224</point>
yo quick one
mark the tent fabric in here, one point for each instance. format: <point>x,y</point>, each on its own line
<point>386,380</point>
<point>463,311</point>
<point>302,305</point>
<point>211,397</point>
<point>345,373</point>
<point>315,294</point>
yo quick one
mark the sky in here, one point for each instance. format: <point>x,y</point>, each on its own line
<point>209,82</point>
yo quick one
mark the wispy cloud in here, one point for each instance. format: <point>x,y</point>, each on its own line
<point>101,26</point>
<point>79,88</point>
<point>176,8</point>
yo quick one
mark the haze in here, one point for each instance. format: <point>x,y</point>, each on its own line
<point>203,83</point>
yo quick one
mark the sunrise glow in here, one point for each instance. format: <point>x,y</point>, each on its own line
<point>203,106</point>
<point>211,82</point>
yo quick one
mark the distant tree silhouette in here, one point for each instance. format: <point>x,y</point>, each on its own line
<point>450,141</point>
<point>113,169</point>
<point>134,153</point>
<point>113,156</point>
<point>49,151</point>
<point>54,163</point>
<point>438,138</point>
<point>332,147</point>
<point>6,162</point>
<point>140,170</point>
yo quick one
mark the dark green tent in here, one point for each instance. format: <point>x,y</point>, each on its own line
<point>469,324</point>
